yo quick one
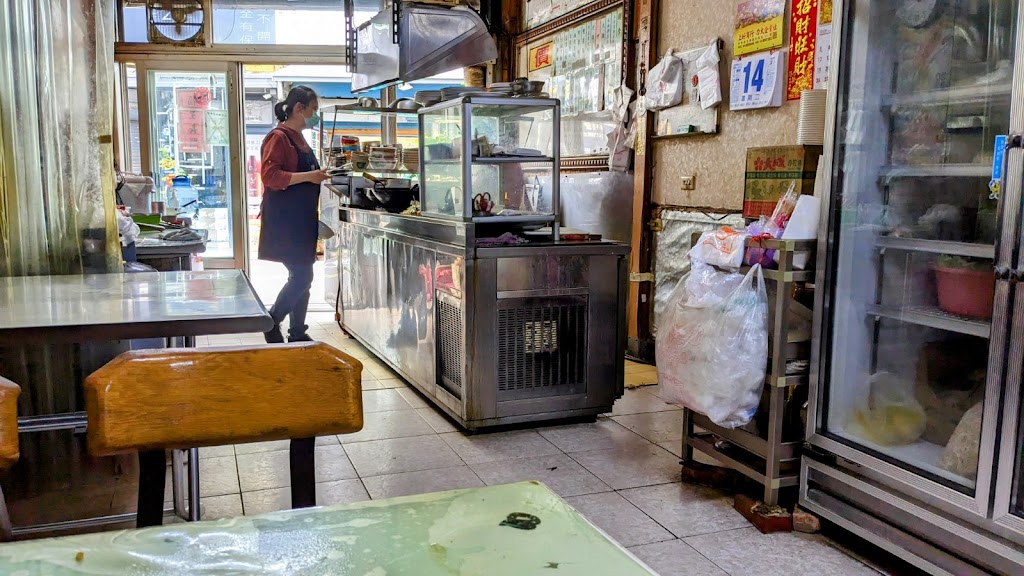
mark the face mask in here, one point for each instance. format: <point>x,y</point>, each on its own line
<point>313,121</point>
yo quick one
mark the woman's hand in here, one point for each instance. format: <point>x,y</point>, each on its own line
<point>316,176</point>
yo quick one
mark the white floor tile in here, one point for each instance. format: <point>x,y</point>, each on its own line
<point>421,482</point>
<point>626,524</point>
<point>676,558</point>
<point>782,554</point>
<point>605,434</point>
<point>558,472</point>
<point>381,457</point>
<point>687,510</point>
<point>477,448</point>
<point>622,469</point>
<point>655,426</point>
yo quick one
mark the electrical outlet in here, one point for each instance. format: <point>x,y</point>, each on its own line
<point>688,183</point>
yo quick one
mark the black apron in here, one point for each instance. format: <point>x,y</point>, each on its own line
<point>290,222</point>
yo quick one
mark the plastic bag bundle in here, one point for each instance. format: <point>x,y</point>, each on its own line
<point>665,83</point>
<point>720,247</point>
<point>712,358</point>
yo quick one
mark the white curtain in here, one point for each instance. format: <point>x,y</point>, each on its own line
<point>56,153</point>
<point>56,212</point>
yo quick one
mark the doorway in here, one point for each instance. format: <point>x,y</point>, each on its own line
<point>188,138</point>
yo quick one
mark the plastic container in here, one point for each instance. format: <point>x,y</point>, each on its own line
<point>965,291</point>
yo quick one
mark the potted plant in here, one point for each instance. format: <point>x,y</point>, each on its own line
<point>965,286</point>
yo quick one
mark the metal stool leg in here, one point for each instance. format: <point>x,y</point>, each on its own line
<point>6,531</point>
<point>152,479</point>
<point>194,510</point>
<point>303,472</point>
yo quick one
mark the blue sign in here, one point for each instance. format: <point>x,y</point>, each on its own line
<point>995,185</point>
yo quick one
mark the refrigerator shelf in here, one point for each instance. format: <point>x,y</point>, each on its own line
<point>921,454</point>
<point>936,171</point>
<point>933,318</point>
<point>966,249</point>
<point>984,96</point>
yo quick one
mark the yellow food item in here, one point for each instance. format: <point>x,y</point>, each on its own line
<point>890,425</point>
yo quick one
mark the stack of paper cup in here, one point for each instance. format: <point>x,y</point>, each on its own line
<point>811,130</point>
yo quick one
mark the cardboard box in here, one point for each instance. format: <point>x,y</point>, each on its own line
<point>770,171</point>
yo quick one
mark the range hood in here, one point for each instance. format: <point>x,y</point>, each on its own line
<point>410,41</point>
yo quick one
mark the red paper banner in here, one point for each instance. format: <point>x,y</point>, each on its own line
<point>191,134</point>
<point>803,30</point>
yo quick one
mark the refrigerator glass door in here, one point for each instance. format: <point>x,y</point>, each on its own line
<point>913,307</point>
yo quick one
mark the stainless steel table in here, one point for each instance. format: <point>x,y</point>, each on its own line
<point>169,255</point>
<point>171,306</point>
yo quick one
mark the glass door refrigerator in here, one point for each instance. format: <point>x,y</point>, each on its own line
<point>915,433</point>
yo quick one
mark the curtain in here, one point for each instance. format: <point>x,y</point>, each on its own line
<point>56,217</point>
<point>56,151</point>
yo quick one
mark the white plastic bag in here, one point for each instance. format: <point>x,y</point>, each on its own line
<point>712,359</point>
<point>665,83</point>
<point>723,247</point>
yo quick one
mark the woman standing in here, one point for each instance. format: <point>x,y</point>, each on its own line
<point>288,234</point>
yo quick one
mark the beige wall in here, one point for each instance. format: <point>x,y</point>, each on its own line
<point>717,160</point>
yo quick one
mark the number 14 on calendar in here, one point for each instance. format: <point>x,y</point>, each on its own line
<point>756,81</point>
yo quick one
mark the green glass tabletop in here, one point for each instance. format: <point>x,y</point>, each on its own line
<point>510,530</point>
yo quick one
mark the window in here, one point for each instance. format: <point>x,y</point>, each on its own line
<point>265,22</point>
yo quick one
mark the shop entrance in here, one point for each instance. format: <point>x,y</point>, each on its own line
<point>188,140</point>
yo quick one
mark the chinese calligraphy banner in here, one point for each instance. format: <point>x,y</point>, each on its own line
<point>760,25</point>
<point>803,28</point>
<point>191,104</point>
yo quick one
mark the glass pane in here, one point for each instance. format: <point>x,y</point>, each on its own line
<point>191,154</point>
<point>442,173</point>
<point>537,12</point>
<point>580,66</point>
<point>132,130</point>
<point>277,22</point>
<point>924,91</point>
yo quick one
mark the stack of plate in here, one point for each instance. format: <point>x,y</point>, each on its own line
<point>428,97</point>
<point>411,159</point>
<point>383,158</point>
<point>811,128</point>
<point>452,92</point>
<point>501,88</point>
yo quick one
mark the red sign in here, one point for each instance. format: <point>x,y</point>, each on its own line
<point>803,29</point>
<point>191,135</point>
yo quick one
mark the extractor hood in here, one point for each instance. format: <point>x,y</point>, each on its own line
<point>410,41</point>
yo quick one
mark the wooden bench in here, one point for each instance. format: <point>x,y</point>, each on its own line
<point>9,392</point>
<point>150,401</point>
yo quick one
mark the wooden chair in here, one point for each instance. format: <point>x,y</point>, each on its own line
<point>149,401</point>
<point>9,392</point>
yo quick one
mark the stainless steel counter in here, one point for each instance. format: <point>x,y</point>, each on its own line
<point>496,335</point>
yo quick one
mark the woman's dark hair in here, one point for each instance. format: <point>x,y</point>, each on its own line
<point>298,95</point>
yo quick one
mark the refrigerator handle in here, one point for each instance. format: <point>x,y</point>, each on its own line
<point>1003,144</point>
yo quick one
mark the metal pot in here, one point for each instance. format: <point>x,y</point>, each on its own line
<point>368,102</point>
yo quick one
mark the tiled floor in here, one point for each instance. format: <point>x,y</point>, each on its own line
<point>620,472</point>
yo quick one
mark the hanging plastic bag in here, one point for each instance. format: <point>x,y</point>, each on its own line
<point>665,83</point>
<point>712,359</point>
<point>721,247</point>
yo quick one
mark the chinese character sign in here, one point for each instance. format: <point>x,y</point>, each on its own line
<point>759,26</point>
<point>803,28</point>
<point>540,57</point>
<point>192,104</point>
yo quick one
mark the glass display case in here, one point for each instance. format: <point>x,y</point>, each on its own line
<point>920,317</point>
<point>491,159</point>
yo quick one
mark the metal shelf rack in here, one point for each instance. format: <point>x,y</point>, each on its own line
<point>766,457</point>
